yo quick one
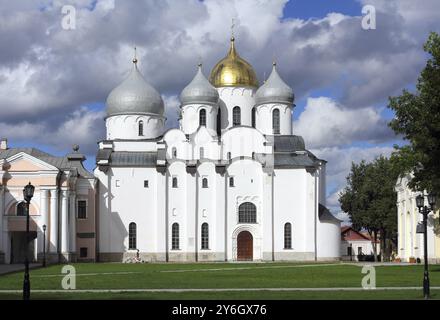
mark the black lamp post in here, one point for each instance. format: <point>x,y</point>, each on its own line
<point>28,193</point>
<point>44,245</point>
<point>420,201</point>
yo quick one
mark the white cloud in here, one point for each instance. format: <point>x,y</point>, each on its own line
<point>324,122</point>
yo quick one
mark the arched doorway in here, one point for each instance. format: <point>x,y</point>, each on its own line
<point>245,246</point>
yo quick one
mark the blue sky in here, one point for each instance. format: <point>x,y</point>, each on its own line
<point>54,82</point>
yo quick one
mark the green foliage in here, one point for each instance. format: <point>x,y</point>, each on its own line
<point>369,198</point>
<point>418,121</point>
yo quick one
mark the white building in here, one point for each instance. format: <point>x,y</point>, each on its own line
<point>231,183</point>
<point>409,224</point>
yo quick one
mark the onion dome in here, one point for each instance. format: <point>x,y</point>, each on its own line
<point>134,96</point>
<point>274,90</point>
<point>199,91</point>
<point>233,71</point>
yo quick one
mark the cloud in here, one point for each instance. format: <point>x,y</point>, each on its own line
<point>325,123</point>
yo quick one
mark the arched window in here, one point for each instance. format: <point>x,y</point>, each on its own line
<point>231,182</point>
<point>228,155</point>
<point>276,121</point>
<point>236,116</point>
<point>21,209</point>
<point>174,152</point>
<point>219,122</point>
<point>205,183</point>
<point>205,236</point>
<point>202,153</point>
<point>254,120</point>
<point>287,236</point>
<point>175,236</point>
<point>247,213</point>
<point>132,235</point>
<point>141,128</point>
<point>174,183</point>
<point>202,118</point>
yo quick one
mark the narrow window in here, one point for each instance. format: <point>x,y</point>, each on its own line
<point>83,252</point>
<point>82,209</point>
<point>21,209</point>
<point>205,183</point>
<point>231,182</point>
<point>247,213</point>
<point>229,156</point>
<point>145,183</point>
<point>254,121</point>
<point>202,118</point>
<point>141,128</point>
<point>205,236</point>
<point>174,152</point>
<point>132,235</point>
<point>287,236</point>
<point>219,122</point>
<point>276,121</point>
<point>359,250</point>
<point>175,236</point>
<point>236,116</point>
<point>175,182</point>
<point>202,153</point>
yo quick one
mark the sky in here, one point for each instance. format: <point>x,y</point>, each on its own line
<point>54,80</point>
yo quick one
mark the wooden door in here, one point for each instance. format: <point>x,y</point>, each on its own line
<point>245,246</point>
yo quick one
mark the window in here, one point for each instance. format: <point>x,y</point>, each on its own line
<point>205,183</point>
<point>205,236</point>
<point>287,236</point>
<point>219,122</point>
<point>145,183</point>
<point>229,156</point>
<point>359,250</point>
<point>82,209</point>
<point>175,236</point>
<point>141,128</point>
<point>349,251</point>
<point>236,116</point>
<point>231,182</point>
<point>21,209</point>
<point>254,121</point>
<point>202,153</point>
<point>174,152</point>
<point>132,235</point>
<point>202,118</point>
<point>247,213</point>
<point>175,182</point>
<point>276,121</point>
<point>83,252</point>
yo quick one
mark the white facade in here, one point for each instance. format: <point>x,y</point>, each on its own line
<point>410,242</point>
<point>248,190</point>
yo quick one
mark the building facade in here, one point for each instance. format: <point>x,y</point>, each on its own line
<point>409,224</point>
<point>231,183</point>
<point>356,244</point>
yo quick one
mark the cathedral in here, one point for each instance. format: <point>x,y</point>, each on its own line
<point>231,183</point>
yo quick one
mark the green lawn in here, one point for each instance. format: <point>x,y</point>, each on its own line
<point>223,275</point>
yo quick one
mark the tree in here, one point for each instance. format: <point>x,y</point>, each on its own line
<point>369,200</point>
<point>418,120</point>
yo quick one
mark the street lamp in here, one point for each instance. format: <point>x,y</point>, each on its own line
<point>420,202</point>
<point>44,245</point>
<point>28,193</point>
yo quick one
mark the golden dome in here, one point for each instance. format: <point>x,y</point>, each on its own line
<point>233,71</point>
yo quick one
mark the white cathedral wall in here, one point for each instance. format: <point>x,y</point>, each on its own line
<point>264,121</point>
<point>242,141</point>
<point>127,126</point>
<point>190,117</point>
<point>236,96</point>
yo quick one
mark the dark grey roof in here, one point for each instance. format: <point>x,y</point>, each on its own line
<point>293,160</point>
<point>326,215</point>
<point>69,162</point>
<point>274,90</point>
<point>200,90</point>
<point>288,143</point>
<point>133,159</point>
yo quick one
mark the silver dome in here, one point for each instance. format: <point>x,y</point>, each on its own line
<point>199,91</point>
<point>134,96</point>
<point>274,90</point>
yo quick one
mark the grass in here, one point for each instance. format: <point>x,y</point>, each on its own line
<point>223,275</point>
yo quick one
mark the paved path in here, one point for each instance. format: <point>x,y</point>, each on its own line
<point>218,290</point>
<point>9,268</point>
